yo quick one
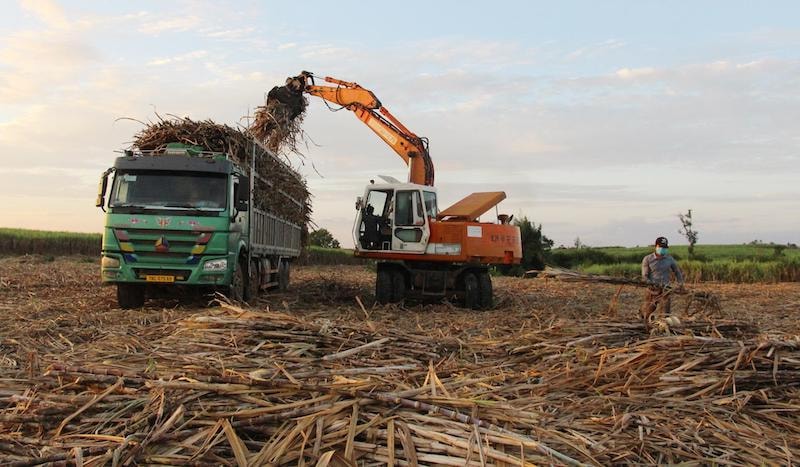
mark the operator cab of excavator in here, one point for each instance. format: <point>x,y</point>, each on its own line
<point>395,217</point>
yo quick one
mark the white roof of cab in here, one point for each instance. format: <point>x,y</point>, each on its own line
<point>400,186</point>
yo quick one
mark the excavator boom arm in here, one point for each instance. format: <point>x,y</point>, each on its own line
<point>367,108</point>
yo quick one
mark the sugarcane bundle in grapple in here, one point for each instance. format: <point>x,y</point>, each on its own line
<point>277,122</point>
<point>203,204</point>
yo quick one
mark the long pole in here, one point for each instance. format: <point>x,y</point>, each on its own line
<point>251,206</point>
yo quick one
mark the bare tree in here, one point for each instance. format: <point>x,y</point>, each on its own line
<point>688,231</point>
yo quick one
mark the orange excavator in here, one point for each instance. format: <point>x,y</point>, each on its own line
<point>422,252</point>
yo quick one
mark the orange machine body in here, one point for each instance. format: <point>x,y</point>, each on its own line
<point>479,243</point>
<point>421,252</point>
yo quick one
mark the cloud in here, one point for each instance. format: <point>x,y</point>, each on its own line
<point>46,11</point>
<point>588,150</point>
<point>472,53</point>
<point>594,50</point>
<point>230,34</point>
<point>325,51</point>
<point>189,56</point>
<point>628,73</point>
<point>40,62</point>
<point>153,26</point>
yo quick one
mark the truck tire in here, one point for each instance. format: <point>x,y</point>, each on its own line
<point>486,292</point>
<point>471,291</point>
<point>130,296</point>
<point>237,289</point>
<point>398,286</point>
<point>253,282</point>
<point>283,275</point>
<point>383,286</point>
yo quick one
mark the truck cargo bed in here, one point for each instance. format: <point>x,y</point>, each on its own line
<point>271,235</point>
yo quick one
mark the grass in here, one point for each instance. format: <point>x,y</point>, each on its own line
<point>725,263</point>
<point>44,242</point>
<point>761,252</point>
<point>329,256</point>
<point>50,243</point>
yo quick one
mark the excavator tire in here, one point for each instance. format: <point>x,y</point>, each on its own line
<point>383,286</point>
<point>486,292</point>
<point>398,286</point>
<point>472,292</point>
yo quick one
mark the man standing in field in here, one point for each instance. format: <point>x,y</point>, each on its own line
<point>657,268</point>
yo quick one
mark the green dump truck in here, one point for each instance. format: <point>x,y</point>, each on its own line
<point>185,216</point>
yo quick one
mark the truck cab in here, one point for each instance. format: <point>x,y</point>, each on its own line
<point>186,217</point>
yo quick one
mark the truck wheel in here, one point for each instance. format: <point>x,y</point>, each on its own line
<point>486,293</point>
<point>383,286</point>
<point>398,286</point>
<point>254,281</point>
<point>283,275</point>
<point>236,291</point>
<point>130,296</point>
<point>471,291</point>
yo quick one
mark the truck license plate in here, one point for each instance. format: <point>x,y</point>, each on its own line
<point>159,278</point>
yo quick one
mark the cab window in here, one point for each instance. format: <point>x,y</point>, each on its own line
<point>430,204</point>
<point>378,201</point>
<point>407,204</point>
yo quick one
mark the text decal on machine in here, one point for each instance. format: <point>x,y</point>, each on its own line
<point>381,131</point>
<point>474,231</point>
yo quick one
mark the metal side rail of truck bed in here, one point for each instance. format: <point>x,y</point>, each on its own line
<point>271,235</point>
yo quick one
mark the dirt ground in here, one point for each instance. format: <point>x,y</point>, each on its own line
<point>56,312</point>
<point>65,295</point>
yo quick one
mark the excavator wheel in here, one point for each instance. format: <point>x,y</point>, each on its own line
<point>384,286</point>
<point>486,293</point>
<point>398,286</point>
<point>472,292</point>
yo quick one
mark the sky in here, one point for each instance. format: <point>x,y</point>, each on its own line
<point>600,120</point>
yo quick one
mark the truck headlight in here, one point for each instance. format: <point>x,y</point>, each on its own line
<point>109,262</point>
<point>216,265</point>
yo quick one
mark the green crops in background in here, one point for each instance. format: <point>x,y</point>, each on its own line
<point>314,255</point>
<point>725,263</point>
<point>42,242</point>
<point>784,270</point>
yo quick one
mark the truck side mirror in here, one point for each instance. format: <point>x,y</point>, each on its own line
<point>101,189</point>
<point>243,194</point>
<point>359,203</point>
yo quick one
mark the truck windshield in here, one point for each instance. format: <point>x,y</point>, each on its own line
<point>165,190</point>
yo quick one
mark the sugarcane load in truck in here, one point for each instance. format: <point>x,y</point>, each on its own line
<point>179,214</point>
<point>421,251</point>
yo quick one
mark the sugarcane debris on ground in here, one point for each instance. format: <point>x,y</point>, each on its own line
<point>551,375</point>
<point>697,301</point>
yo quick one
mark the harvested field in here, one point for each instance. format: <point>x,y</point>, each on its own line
<point>558,373</point>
